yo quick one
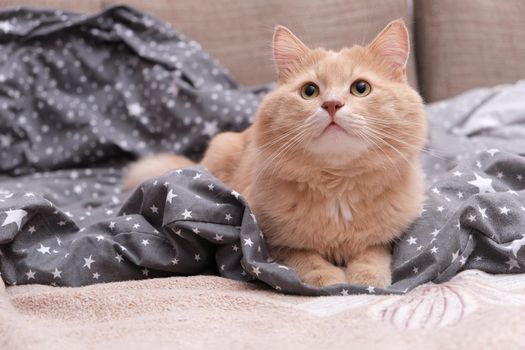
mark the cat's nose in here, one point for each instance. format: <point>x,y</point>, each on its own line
<point>332,107</point>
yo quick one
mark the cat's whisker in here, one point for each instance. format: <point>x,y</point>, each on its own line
<point>377,146</point>
<point>275,155</point>
<point>380,139</point>
<point>423,149</point>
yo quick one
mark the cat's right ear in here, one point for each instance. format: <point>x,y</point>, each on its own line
<point>288,51</point>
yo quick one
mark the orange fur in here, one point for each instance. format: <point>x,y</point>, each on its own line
<point>330,202</point>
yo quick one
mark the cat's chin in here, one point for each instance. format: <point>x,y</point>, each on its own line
<point>337,147</point>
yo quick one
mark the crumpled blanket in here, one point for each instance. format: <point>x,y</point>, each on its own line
<point>124,84</point>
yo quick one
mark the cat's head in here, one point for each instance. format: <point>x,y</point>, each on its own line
<point>337,106</point>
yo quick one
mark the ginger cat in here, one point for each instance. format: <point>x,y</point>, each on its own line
<point>331,165</point>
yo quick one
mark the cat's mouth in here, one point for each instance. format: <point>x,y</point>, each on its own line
<point>333,127</point>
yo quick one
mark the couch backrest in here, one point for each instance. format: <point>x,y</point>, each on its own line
<point>459,44</point>
<point>238,33</point>
<point>462,44</point>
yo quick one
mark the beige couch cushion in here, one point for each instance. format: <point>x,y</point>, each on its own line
<point>238,33</point>
<point>468,43</point>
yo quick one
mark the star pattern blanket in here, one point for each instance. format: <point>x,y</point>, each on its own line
<point>80,96</point>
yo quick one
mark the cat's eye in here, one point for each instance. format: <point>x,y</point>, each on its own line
<point>360,88</point>
<point>309,91</point>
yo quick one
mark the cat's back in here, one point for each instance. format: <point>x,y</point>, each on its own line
<point>228,157</point>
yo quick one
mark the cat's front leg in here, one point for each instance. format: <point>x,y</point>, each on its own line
<point>371,267</point>
<point>311,267</point>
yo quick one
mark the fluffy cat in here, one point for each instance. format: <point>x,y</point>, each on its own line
<point>331,165</point>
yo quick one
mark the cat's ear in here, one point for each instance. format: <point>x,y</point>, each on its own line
<point>287,51</point>
<point>392,46</point>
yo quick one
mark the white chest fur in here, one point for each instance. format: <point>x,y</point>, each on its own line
<point>339,209</point>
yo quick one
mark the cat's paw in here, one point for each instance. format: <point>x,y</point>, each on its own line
<point>324,277</point>
<point>369,276</point>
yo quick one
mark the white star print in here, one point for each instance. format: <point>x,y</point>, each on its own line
<point>370,289</point>
<point>61,223</point>
<point>196,230</point>
<point>484,185</point>
<point>519,177</point>
<point>412,240</point>
<point>136,226</point>
<point>96,275</point>
<point>515,245</point>
<point>434,233</point>
<point>235,247</point>
<point>30,274</point>
<point>462,260</point>
<point>210,128</point>
<point>256,271</point>
<point>415,270</point>
<point>145,242</point>
<point>493,151</point>
<point>43,250</point>
<point>14,216</point>
<point>235,194</point>
<point>434,250</point>
<point>457,173</point>
<point>186,214</point>
<point>145,272</point>
<point>197,257</point>
<point>440,208</point>
<point>248,242</point>
<point>57,273</point>
<point>471,218</point>
<point>460,194</point>
<point>218,237</point>
<point>513,263</point>
<point>31,229</point>
<point>197,176</point>
<point>99,238</point>
<point>6,26</point>
<point>227,217</point>
<point>111,225</point>
<point>135,109</point>
<point>119,258</point>
<point>344,292</point>
<point>211,187</point>
<point>154,209</point>
<point>455,255</point>
<point>170,196</point>
<point>499,175</point>
<point>175,261</point>
<point>482,211</point>
<point>504,210</point>
<point>435,190</point>
<point>88,261</point>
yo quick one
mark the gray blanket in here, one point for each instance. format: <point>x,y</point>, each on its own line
<point>80,96</point>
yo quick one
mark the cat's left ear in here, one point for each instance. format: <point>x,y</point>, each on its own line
<point>288,51</point>
<point>392,46</point>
